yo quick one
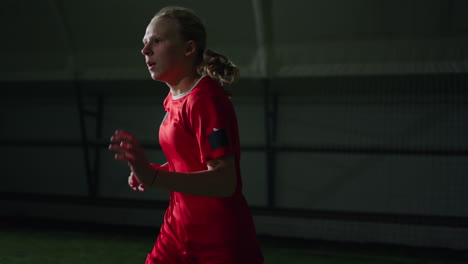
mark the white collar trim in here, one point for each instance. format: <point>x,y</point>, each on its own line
<point>175,97</point>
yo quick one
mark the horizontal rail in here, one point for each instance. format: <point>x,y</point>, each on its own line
<point>302,149</point>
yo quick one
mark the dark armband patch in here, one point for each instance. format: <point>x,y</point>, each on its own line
<point>218,139</point>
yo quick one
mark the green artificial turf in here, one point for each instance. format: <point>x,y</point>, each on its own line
<point>29,245</point>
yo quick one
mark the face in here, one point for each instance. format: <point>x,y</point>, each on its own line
<point>164,50</point>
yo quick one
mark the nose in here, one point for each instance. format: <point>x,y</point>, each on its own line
<point>146,50</point>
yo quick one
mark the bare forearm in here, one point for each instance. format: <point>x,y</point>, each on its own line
<point>218,181</point>
<point>213,183</point>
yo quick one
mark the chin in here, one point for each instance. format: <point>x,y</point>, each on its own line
<point>160,77</point>
<point>155,76</point>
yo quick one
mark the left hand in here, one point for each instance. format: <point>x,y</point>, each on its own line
<point>128,150</point>
<point>134,183</point>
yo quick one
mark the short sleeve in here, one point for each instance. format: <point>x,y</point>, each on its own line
<point>211,119</point>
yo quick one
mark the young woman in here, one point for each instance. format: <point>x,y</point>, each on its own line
<point>208,219</point>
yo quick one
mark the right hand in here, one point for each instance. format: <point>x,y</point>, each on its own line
<point>134,183</point>
<point>129,150</point>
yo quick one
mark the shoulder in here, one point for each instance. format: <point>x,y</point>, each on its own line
<point>206,91</point>
<point>206,86</point>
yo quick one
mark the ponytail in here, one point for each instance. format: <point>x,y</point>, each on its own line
<point>218,67</point>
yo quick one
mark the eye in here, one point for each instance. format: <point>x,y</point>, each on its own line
<point>156,40</point>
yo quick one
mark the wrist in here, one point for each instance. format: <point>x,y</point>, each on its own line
<point>155,175</point>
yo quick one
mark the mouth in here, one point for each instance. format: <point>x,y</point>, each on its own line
<point>150,64</point>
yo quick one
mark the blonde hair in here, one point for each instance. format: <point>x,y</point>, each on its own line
<point>208,62</point>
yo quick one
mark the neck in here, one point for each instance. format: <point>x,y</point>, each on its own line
<point>183,84</point>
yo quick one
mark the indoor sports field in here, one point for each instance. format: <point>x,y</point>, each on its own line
<point>335,131</point>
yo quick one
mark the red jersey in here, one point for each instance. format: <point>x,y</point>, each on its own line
<point>201,125</point>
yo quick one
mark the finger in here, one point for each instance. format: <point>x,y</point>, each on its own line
<point>125,157</point>
<point>117,148</point>
<point>123,147</point>
<point>125,136</point>
<point>126,145</point>
<point>120,146</point>
<point>117,139</point>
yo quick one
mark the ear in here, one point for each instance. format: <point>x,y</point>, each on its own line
<point>190,48</point>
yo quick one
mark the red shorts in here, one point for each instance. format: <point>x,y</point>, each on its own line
<point>218,231</point>
<point>167,251</point>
